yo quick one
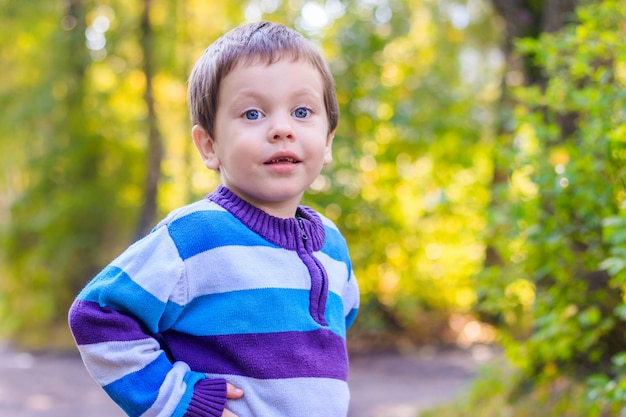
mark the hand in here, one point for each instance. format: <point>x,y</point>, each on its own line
<point>232,393</point>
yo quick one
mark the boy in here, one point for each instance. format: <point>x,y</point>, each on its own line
<point>236,305</point>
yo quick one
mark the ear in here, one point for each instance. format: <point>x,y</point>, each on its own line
<point>206,146</point>
<point>328,151</point>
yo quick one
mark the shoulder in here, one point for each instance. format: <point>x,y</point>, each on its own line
<point>331,229</point>
<point>335,244</point>
<point>202,226</point>
<point>197,210</point>
<point>200,219</point>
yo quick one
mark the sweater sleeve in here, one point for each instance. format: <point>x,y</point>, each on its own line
<point>116,321</point>
<point>351,297</point>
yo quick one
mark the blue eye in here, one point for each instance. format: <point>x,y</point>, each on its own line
<point>252,114</point>
<point>301,113</point>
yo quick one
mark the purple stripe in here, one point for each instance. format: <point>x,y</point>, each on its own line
<point>316,354</point>
<point>91,323</point>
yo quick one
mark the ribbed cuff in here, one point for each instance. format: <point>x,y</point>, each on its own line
<point>209,398</point>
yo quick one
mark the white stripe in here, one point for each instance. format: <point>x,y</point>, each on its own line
<point>232,268</point>
<point>171,392</point>
<point>310,397</point>
<point>351,296</point>
<point>337,272</point>
<point>122,358</point>
<point>153,263</point>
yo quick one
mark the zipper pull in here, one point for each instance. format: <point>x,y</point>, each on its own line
<point>304,236</point>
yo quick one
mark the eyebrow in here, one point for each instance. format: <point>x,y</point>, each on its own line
<point>308,91</point>
<point>255,94</point>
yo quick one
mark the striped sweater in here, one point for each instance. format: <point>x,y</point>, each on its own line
<point>222,291</point>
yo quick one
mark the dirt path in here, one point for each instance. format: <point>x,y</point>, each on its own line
<point>401,385</point>
<point>386,385</point>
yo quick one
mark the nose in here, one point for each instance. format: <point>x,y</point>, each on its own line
<point>281,128</point>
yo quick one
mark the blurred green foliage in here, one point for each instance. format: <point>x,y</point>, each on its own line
<point>557,297</point>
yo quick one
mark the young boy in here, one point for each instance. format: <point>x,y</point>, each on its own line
<point>236,305</point>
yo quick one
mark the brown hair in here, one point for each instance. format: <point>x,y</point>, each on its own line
<point>261,42</point>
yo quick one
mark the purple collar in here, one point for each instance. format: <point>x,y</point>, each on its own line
<point>279,231</point>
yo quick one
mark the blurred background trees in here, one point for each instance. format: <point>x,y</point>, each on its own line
<point>553,282</point>
<point>479,171</point>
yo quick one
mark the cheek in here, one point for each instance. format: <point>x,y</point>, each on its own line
<point>238,152</point>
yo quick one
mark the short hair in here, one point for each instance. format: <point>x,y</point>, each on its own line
<point>250,44</point>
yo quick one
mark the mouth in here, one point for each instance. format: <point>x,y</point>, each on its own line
<point>282,160</point>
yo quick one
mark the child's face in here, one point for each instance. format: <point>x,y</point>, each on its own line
<point>271,134</point>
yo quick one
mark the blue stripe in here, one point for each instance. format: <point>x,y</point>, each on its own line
<point>335,246</point>
<point>264,310</point>
<point>190,380</point>
<point>114,288</point>
<point>334,314</point>
<point>351,316</point>
<point>170,315</point>
<point>137,391</point>
<point>190,232</point>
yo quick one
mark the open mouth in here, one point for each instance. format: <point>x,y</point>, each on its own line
<point>282,160</point>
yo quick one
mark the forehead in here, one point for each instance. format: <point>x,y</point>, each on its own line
<point>268,58</point>
<point>257,75</point>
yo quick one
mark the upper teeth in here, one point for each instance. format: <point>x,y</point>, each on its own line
<point>283,160</point>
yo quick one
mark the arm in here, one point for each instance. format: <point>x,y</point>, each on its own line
<point>351,299</point>
<point>115,322</point>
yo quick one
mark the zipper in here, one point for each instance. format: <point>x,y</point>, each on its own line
<point>319,279</point>
<point>302,231</point>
